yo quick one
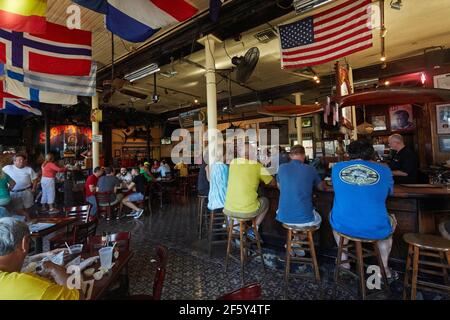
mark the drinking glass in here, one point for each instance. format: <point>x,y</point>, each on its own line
<point>106,255</point>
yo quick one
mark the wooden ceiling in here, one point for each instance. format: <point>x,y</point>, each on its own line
<point>417,26</point>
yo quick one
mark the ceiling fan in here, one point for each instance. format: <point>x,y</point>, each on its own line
<point>246,65</point>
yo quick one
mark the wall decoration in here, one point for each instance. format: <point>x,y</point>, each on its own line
<point>117,153</point>
<point>442,81</point>
<point>443,118</point>
<point>401,118</point>
<point>444,143</point>
<point>379,123</point>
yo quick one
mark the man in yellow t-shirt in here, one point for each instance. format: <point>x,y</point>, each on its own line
<point>183,169</point>
<point>242,199</point>
<point>16,285</point>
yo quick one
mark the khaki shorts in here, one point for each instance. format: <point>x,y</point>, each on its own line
<point>263,208</point>
<point>21,200</point>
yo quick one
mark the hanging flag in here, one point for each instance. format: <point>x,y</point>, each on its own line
<point>71,85</point>
<point>138,20</point>
<point>13,105</point>
<point>14,85</point>
<point>23,15</point>
<point>214,9</point>
<point>100,6</point>
<point>59,51</point>
<point>327,36</point>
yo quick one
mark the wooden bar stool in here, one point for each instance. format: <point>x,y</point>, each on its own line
<point>217,232</point>
<point>432,247</point>
<point>245,242</point>
<point>358,258</point>
<point>296,237</point>
<point>201,211</point>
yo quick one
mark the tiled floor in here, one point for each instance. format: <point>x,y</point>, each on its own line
<point>192,274</point>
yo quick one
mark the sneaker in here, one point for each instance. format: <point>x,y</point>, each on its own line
<point>251,234</point>
<point>139,214</point>
<point>132,214</point>
<point>296,251</point>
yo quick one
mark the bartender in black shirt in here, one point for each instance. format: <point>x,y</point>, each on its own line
<point>404,163</point>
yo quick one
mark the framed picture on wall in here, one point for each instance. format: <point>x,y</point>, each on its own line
<point>442,81</point>
<point>306,122</point>
<point>443,118</point>
<point>444,143</point>
<point>401,118</point>
<point>117,153</point>
<point>379,123</point>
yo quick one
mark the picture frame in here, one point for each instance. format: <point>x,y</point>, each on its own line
<point>379,123</point>
<point>443,118</point>
<point>442,81</point>
<point>402,118</point>
<point>306,122</point>
<point>444,143</point>
<point>117,153</point>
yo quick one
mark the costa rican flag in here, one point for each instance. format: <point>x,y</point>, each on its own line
<point>59,51</point>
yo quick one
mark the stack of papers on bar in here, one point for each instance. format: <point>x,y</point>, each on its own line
<point>36,227</point>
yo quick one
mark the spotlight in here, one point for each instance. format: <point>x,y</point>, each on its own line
<point>196,101</point>
<point>397,5</point>
<point>155,98</point>
<point>316,102</point>
<point>315,77</point>
<point>383,58</point>
<point>318,80</point>
<point>386,83</point>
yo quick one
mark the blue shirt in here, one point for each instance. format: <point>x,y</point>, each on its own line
<point>217,186</point>
<point>359,208</point>
<point>162,170</point>
<point>296,181</point>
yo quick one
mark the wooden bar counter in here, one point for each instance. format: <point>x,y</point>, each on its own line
<point>417,209</point>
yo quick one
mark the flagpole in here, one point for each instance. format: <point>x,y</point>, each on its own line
<point>95,132</point>
<point>209,42</point>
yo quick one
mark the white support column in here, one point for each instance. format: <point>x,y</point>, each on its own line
<point>95,131</point>
<point>298,120</point>
<point>209,42</point>
<point>352,90</point>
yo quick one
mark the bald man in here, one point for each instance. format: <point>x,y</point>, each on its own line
<point>404,164</point>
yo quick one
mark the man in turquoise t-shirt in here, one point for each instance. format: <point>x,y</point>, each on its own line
<point>359,209</point>
<point>5,184</point>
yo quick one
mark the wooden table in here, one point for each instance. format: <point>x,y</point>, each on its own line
<point>120,266</point>
<point>59,223</point>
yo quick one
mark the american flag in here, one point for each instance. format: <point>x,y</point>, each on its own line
<point>327,36</point>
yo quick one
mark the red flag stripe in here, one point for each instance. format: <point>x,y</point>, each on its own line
<point>328,59</point>
<point>333,11</point>
<point>179,9</point>
<point>361,16</point>
<point>58,33</point>
<point>17,22</point>
<point>339,32</point>
<point>40,63</point>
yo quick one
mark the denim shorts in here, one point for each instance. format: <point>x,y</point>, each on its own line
<point>134,197</point>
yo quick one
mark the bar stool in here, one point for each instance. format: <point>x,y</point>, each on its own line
<point>201,211</point>
<point>245,242</point>
<point>429,246</point>
<point>305,245</point>
<point>216,229</point>
<point>358,258</point>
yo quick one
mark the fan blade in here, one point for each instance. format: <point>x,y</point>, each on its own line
<point>248,65</point>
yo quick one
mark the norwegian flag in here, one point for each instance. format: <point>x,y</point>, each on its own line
<point>60,51</point>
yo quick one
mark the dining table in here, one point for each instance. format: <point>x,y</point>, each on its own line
<point>49,225</point>
<point>100,288</point>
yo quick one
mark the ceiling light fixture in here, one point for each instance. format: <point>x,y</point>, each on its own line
<point>141,73</point>
<point>386,83</point>
<point>383,58</point>
<point>397,5</point>
<point>318,81</point>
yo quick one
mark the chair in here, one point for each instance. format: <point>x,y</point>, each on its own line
<point>358,258</point>
<point>82,213</point>
<point>146,203</point>
<point>122,238</point>
<point>217,232</point>
<point>431,247</point>
<point>305,245</point>
<point>245,242</point>
<point>82,232</point>
<point>201,213</point>
<point>160,274</point>
<point>105,205</point>
<point>249,292</point>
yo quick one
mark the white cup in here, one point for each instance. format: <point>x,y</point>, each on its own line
<point>106,255</point>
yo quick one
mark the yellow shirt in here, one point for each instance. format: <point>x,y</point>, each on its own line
<point>26,286</point>
<point>183,169</point>
<point>243,181</point>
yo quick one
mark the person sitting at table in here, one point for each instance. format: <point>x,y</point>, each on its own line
<point>164,170</point>
<point>110,183</point>
<point>17,285</point>
<point>124,176</point>
<point>138,186</point>
<point>90,189</point>
<point>242,199</point>
<point>6,184</point>
<point>155,166</point>
<point>361,187</point>
<point>296,181</point>
<point>183,168</point>
<point>217,176</point>
<point>49,171</point>
<point>144,169</point>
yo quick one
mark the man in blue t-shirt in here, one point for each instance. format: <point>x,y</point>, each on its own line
<point>359,209</point>
<point>296,182</point>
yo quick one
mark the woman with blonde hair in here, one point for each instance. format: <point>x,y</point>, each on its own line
<point>49,171</point>
<point>6,184</point>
